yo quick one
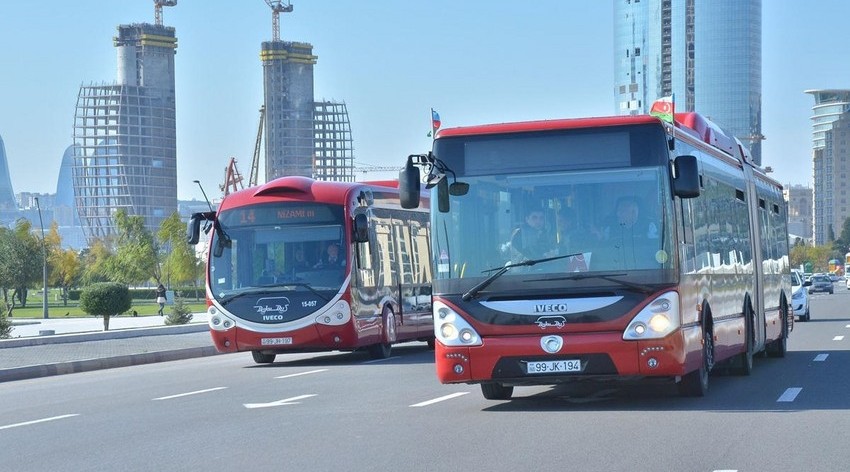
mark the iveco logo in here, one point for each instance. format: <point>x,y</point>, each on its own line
<point>551,308</point>
<point>553,321</point>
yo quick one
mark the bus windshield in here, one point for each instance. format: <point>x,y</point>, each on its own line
<point>279,246</point>
<point>616,223</point>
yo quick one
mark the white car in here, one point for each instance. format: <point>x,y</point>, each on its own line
<point>800,296</point>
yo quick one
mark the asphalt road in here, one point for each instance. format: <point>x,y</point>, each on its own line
<point>339,411</point>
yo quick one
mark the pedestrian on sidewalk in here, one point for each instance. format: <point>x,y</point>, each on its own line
<point>160,298</point>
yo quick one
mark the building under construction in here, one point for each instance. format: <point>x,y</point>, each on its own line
<point>303,137</point>
<point>125,146</point>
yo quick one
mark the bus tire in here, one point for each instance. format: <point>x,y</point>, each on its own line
<point>262,358</point>
<point>384,349</point>
<point>496,391</point>
<point>779,347</point>
<point>695,384</point>
<point>744,360</point>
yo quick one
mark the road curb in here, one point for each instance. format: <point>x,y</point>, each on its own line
<point>61,368</point>
<point>101,335</point>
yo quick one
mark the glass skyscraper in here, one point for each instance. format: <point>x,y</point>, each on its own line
<point>706,54</point>
<point>830,162</point>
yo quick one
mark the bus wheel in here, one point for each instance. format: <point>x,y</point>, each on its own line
<point>779,347</point>
<point>744,360</point>
<point>496,391</point>
<point>261,358</point>
<point>695,384</point>
<point>384,348</point>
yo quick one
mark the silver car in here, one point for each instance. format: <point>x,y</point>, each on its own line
<point>821,283</point>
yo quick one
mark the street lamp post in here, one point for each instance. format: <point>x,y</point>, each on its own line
<point>44,259</point>
<point>204,193</point>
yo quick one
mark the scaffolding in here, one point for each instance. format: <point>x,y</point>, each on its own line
<point>334,149</point>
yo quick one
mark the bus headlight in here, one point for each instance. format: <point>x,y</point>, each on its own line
<point>451,329</point>
<point>219,322</point>
<point>656,320</point>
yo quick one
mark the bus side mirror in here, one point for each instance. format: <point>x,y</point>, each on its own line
<point>361,228</point>
<point>443,195</point>
<point>686,177</point>
<point>409,182</point>
<point>193,229</point>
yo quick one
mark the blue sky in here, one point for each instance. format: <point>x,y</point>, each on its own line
<point>474,61</point>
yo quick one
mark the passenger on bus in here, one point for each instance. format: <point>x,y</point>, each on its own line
<point>531,239</point>
<point>299,260</point>
<point>627,221</point>
<point>331,258</point>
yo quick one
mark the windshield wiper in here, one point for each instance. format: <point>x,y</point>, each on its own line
<point>608,277</point>
<point>501,270</point>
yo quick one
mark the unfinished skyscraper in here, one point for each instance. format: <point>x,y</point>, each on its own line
<point>303,137</point>
<point>125,135</point>
<point>288,91</point>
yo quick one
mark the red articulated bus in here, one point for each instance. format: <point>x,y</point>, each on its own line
<point>600,248</point>
<point>300,265</point>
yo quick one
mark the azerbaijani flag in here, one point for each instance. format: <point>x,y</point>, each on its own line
<point>435,121</point>
<point>664,108</point>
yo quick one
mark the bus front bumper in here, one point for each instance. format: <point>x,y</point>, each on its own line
<point>522,360</point>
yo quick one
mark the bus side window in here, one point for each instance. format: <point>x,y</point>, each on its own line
<point>365,270</point>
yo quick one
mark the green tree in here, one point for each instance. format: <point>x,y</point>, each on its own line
<point>96,261</point>
<point>64,264</point>
<point>179,264</point>
<point>21,262</point>
<point>105,299</point>
<point>136,257</point>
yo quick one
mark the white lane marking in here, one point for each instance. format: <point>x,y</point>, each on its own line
<point>169,397</point>
<point>821,357</point>
<point>440,399</point>
<point>27,423</point>
<point>285,401</point>
<point>790,394</point>
<point>848,326</point>
<point>726,470</point>
<point>302,373</point>
<point>382,360</point>
<point>838,338</point>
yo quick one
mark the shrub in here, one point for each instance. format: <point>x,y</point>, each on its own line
<point>180,312</point>
<point>105,299</point>
<point>5,323</point>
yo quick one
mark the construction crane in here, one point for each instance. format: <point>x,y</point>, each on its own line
<point>255,165</point>
<point>232,179</point>
<point>366,168</point>
<point>277,7</point>
<point>157,12</point>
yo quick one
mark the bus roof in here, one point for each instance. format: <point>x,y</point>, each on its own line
<point>546,125</point>
<point>300,188</point>
<point>692,123</point>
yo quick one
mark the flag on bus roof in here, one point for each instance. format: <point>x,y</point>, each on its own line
<point>664,108</point>
<point>435,122</point>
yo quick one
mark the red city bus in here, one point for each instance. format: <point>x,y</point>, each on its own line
<point>300,265</point>
<point>616,247</point>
